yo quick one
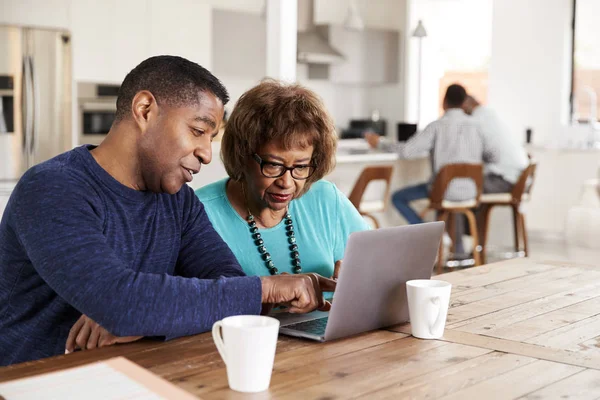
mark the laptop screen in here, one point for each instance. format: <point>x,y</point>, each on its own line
<point>405,131</point>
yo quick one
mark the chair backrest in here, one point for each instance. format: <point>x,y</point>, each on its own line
<point>450,172</point>
<point>524,183</point>
<point>368,174</point>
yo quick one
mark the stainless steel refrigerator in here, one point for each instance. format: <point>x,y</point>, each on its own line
<point>35,98</point>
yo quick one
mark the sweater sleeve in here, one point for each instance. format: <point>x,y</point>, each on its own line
<point>59,222</point>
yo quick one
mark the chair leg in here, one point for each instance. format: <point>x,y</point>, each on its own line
<point>372,218</point>
<point>442,215</point>
<point>451,228</point>
<point>484,229</point>
<point>475,235</point>
<point>516,226</point>
<point>524,234</point>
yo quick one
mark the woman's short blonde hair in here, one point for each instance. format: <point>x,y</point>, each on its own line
<point>274,111</point>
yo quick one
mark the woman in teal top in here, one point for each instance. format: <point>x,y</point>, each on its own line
<point>274,211</point>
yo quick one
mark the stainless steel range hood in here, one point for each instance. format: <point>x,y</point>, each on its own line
<point>312,47</point>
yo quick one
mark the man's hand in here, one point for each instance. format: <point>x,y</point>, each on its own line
<point>303,292</point>
<point>87,334</point>
<point>373,139</point>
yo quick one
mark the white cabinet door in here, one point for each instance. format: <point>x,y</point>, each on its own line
<point>380,14</point>
<point>182,28</point>
<point>41,14</point>
<point>93,40</point>
<point>131,40</point>
<point>370,56</point>
<point>351,45</point>
<point>109,38</point>
<point>243,55</point>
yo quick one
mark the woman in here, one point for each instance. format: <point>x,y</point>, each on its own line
<point>273,211</point>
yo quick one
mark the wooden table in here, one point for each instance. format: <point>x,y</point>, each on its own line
<point>515,329</point>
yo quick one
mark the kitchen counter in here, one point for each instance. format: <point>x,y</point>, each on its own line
<point>6,187</point>
<point>375,156</point>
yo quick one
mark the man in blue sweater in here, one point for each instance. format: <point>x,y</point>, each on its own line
<point>109,241</point>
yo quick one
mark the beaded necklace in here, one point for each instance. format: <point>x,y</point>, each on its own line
<point>260,243</point>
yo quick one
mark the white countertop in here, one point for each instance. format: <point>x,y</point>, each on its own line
<point>358,151</point>
<point>7,186</point>
<point>371,156</point>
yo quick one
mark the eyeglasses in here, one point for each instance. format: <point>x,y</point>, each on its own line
<point>275,170</point>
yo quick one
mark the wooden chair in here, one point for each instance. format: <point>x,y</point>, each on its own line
<point>368,175</point>
<point>446,209</point>
<point>514,199</point>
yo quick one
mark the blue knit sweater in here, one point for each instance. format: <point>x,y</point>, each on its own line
<point>75,241</point>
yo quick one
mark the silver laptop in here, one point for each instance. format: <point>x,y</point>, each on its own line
<point>371,289</point>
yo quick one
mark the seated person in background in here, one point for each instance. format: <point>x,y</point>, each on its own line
<point>274,211</point>
<point>107,244</point>
<point>511,158</point>
<point>452,139</point>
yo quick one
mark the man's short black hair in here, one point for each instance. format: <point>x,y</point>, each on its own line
<point>172,80</point>
<point>455,96</point>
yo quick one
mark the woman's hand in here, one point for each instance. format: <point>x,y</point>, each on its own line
<point>336,270</point>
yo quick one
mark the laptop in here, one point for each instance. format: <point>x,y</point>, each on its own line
<point>405,131</point>
<point>371,289</point>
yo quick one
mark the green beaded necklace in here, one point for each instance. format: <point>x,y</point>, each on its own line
<point>260,243</point>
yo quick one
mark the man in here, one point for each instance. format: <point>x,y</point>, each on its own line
<point>113,238</point>
<point>452,139</point>
<point>500,176</point>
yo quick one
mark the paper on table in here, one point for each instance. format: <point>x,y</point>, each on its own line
<point>117,378</point>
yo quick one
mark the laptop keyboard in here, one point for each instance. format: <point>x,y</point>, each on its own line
<point>315,326</point>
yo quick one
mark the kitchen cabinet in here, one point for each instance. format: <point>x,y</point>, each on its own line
<point>41,14</point>
<point>130,36</point>
<point>380,14</point>
<point>111,37</point>
<point>243,55</point>
<point>370,56</point>
<point>186,34</point>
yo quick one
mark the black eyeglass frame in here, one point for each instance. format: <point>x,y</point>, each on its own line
<point>285,169</point>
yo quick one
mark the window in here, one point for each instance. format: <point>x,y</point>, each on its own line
<point>586,61</point>
<point>458,49</point>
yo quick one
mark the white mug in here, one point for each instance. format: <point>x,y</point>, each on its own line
<point>428,307</point>
<point>248,350</point>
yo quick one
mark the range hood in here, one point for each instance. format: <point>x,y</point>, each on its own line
<point>312,47</point>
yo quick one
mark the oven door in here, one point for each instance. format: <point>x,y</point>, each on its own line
<point>96,118</point>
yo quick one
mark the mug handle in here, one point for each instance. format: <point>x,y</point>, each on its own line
<point>218,339</point>
<point>439,320</point>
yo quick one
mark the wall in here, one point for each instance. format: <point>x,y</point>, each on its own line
<point>529,79</point>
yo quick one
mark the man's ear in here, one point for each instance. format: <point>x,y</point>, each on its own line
<point>143,109</point>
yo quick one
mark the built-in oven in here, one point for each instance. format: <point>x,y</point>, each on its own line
<point>97,109</point>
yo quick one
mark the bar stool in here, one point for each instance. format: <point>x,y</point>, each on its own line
<point>368,175</point>
<point>446,209</point>
<point>514,199</point>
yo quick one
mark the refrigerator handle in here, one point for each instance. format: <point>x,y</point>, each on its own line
<point>34,110</point>
<point>26,108</point>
